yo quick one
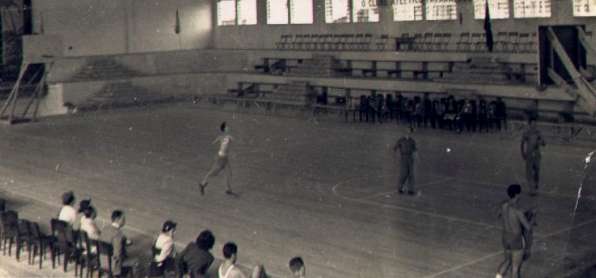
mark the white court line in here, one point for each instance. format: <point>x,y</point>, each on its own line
<point>445,179</point>
<point>414,211</point>
<point>178,244</point>
<point>490,255</point>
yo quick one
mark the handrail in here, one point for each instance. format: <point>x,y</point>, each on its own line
<point>585,90</point>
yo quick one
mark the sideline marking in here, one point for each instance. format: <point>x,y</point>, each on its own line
<point>415,211</point>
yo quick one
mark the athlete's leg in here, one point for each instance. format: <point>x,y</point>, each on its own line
<point>229,177</point>
<point>403,174</point>
<point>516,261</point>
<point>504,266</point>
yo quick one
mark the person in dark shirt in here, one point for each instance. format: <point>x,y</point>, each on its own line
<point>380,108</point>
<point>389,105</point>
<point>372,106</point>
<point>482,115</point>
<point>428,109</point>
<point>501,113</point>
<point>492,115</point>
<point>363,108</point>
<point>399,106</point>
<point>407,150</point>
<point>531,144</point>
<point>196,258</point>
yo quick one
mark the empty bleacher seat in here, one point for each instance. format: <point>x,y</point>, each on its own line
<point>464,42</point>
<point>381,42</point>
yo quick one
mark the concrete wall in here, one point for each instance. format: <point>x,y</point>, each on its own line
<point>263,36</point>
<point>91,27</point>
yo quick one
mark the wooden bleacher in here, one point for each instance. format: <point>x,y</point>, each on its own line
<point>504,41</point>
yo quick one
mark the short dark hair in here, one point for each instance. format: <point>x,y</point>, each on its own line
<point>88,211</point>
<point>68,198</point>
<point>205,240</point>
<point>296,263</point>
<point>168,226</point>
<point>117,214</point>
<point>223,126</point>
<point>230,249</point>
<point>513,190</point>
<point>83,204</point>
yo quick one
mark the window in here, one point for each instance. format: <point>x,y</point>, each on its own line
<point>531,8</point>
<point>226,12</point>
<point>497,8</point>
<point>247,12</point>
<point>441,9</point>
<point>584,8</point>
<point>289,11</point>
<point>365,11</point>
<point>277,12</point>
<point>337,11</point>
<point>301,12</point>
<point>407,10</point>
<point>236,12</point>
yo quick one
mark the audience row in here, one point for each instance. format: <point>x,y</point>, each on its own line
<point>75,235</point>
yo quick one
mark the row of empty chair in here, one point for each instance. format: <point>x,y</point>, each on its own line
<point>332,42</point>
<point>512,42</point>
<point>61,242</point>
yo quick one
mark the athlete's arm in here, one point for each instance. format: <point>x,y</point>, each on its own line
<point>523,146</point>
<point>522,219</point>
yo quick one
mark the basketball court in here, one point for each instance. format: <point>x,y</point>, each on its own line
<point>324,190</point>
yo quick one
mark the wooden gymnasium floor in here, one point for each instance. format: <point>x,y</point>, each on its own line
<point>323,190</point>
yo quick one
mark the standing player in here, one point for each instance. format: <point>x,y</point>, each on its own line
<point>407,149</point>
<point>530,148</point>
<point>514,225</point>
<point>221,161</point>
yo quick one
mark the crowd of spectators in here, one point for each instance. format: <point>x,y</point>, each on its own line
<point>194,261</point>
<point>446,112</point>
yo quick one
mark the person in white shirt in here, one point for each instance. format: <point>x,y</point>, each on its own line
<point>228,268</point>
<point>164,248</point>
<point>221,161</point>
<point>67,213</point>
<point>88,223</point>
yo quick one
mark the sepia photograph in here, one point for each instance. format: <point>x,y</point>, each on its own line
<point>298,138</point>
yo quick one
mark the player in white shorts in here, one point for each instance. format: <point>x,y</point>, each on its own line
<point>221,161</point>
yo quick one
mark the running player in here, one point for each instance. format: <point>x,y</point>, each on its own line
<point>221,161</point>
<point>514,224</point>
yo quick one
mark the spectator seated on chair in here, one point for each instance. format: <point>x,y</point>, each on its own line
<point>228,268</point>
<point>163,250</point>
<point>113,234</point>
<point>297,267</point>
<point>88,223</point>
<point>67,213</point>
<point>196,258</point>
<point>82,205</point>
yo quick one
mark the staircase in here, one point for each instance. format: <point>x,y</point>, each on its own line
<point>481,70</point>
<point>318,66</point>
<point>121,94</point>
<point>298,92</point>
<point>102,69</point>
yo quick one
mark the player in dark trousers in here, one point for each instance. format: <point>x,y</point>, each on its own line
<point>514,225</point>
<point>531,143</point>
<point>407,150</point>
